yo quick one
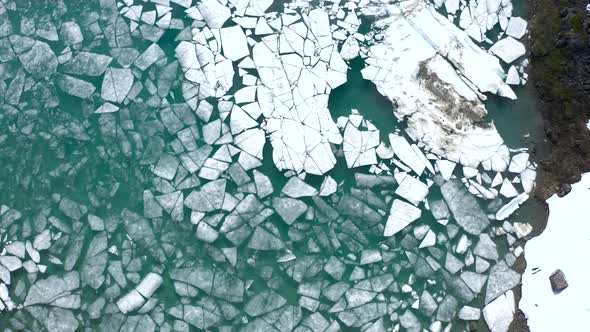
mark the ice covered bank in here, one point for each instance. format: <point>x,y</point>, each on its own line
<point>564,245</point>
<point>436,75</point>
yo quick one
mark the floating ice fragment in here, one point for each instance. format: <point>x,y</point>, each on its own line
<point>411,189</point>
<point>401,215</point>
<point>516,27</point>
<point>74,86</point>
<point>234,43</point>
<point>486,247</point>
<point>512,77</point>
<point>70,33</point>
<point>359,146</point>
<point>116,84</point>
<point>518,162</point>
<point>296,188</point>
<point>45,291</point>
<point>350,48</point>
<point>328,186</point>
<point>507,190</point>
<point>150,56</point>
<point>508,49</point>
<point>264,302</point>
<point>465,208</point>
<point>107,108</point>
<point>501,279</point>
<point>446,168</point>
<point>214,13</point>
<point>264,240</point>
<point>289,208</point>
<point>138,296</point>
<point>86,63</point>
<point>508,209</point>
<point>500,313</point>
<point>39,61</point>
<point>404,151</point>
<point>166,166</point>
<point>429,240</point>
<point>209,198</point>
<point>469,313</point>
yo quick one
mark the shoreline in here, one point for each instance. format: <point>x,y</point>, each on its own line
<point>559,78</point>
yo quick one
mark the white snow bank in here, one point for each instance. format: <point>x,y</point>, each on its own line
<point>565,245</point>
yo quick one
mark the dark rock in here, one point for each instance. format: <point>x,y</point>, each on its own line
<point>564,189</point>
<point>558,282</point>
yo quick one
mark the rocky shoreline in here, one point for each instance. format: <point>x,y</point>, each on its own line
<point>560,81</point>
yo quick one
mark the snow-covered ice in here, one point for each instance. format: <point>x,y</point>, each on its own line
<point>563,245</point>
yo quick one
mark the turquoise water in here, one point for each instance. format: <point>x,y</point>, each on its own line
<point>93,232</point>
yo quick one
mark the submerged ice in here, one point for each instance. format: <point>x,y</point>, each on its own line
<point>174,164</point>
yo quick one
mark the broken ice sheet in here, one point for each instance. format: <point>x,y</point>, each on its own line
<point>179,164</point>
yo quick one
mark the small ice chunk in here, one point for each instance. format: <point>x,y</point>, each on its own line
<point>96,223</point>
<point>152,54</point>
<point>16,248</point>
<point>214,13</point>
<point>263,184</point>
<point>39,61</point>
<point>401,215</point>
<point>265,240</point>
<point>501,279</point>
<point>403,150</point>
<point>474,281</point>
<point>166,166</point>
<point>296,188</point>
<point>130,301</point>
<point>500,313</point>
<point>469,313</point>
<point>234,43</point>
<point>446,168</point>
<point>264,302</point>
<point>116,84</point>
<point>45,291</point>
<point>508,209</point>
<point>507,190</point>
<point>107,108</point>
<point>429,240</point>
<point>149,284</point>
<point>527,179</point>
<point>70,33</point>
<point>384,151</point>
<point>518,163</point>
<point>86,63</point>
<point>486,247</point>
<point>508,49</point>
<point>74,86</point>
<point>447,309</point>
<point>512,77</point>
<point>209,198</point>
<point>439,209</point>
<point>522,229</point>
<point>516,27</point>
<point>12,263</point>
<point>412,189</point>
<point>465,208</point>
<point>43,240</point>
<point>289,208</point>
<point>328,186</point>
<point>350,48</point>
